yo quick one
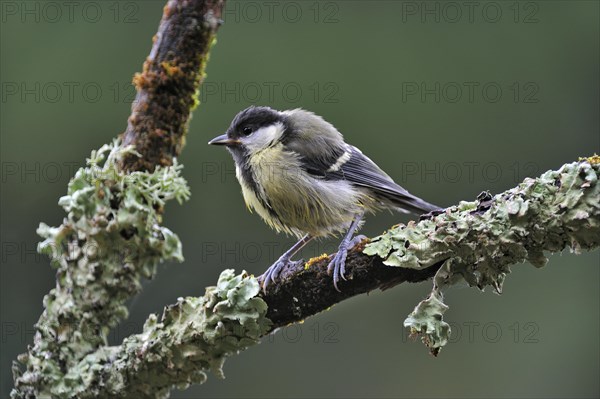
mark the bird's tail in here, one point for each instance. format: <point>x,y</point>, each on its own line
<point>405,201</point>
<point>417,206</point>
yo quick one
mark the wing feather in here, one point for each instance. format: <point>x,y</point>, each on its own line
<point>353,166</point>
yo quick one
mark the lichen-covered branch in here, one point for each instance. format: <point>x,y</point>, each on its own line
<point>304,290</point>
<point>112,237</point>
<point>473,241</point>
<point>193,336</point>
<point>167,88</point>
<point>110,240</point>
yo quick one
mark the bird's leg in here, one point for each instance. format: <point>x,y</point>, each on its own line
<point>337,266</point>
<point>273,272</point>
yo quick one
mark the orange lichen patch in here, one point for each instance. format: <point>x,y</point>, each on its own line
<point>141,80</point>
<point>167,10</point>
<point>361,245</point>
<point>170,69</point>
<point>593,160</point>
<point>314,260</point>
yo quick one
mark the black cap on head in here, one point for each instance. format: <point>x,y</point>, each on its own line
<point>252,119</point>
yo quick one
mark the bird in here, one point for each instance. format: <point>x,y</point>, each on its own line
<point>297,172</point>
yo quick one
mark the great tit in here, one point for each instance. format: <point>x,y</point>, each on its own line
<point>297,172</point>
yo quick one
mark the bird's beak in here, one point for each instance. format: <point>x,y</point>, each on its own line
<point>223,140</point>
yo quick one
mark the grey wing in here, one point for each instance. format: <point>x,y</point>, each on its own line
<point>317,152</point>
<point>352,165</point>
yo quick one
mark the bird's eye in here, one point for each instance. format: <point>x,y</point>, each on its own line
<point>247,131</point>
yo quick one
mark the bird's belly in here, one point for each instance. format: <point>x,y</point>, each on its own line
<point>298,203</point>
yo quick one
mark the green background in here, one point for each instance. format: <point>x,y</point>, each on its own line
<point>351,62</point>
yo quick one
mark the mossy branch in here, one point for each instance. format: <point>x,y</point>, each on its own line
<point>167,88</point>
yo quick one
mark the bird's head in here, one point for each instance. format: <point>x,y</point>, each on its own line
<point>258,128</point>
<point>252,130</point>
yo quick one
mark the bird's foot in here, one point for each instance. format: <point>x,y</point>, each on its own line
<point>357,240</point>
<point>337,266</point>
<point>273,271</point>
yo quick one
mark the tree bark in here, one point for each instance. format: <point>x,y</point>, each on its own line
<point>167,88</point>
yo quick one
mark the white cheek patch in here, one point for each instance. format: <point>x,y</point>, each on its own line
<point>270,133</point>
<point>264,137</point>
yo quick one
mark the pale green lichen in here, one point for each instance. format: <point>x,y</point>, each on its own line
<point>427,319</point>
<point>478,241</point>
<point>195,335</point>
<point>110,239</point>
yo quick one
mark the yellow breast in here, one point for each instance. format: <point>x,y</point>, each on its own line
<point>294,201</point>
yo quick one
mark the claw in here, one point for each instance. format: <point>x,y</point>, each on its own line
<point>272,273</point>
<point>337,266</point>
<point>342,271</point>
